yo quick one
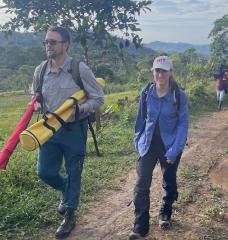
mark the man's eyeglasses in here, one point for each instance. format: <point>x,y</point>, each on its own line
<point>52,42</point>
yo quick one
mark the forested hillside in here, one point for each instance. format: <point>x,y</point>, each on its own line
<point>24,40</point>
<point>23,51</point>
<point>122,65</point>
<point>178,47</point>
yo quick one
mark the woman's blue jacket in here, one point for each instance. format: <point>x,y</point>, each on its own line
<point>173,122</point>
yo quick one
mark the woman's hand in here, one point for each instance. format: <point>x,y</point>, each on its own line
<point>169,161</point>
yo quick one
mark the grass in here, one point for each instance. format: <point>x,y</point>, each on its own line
<point>187,196</point>
<point>216,212</point>
<point>226,150</point>
<point>217,192</point>
<point>189,172</point>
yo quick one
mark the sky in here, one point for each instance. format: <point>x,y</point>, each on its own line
<point>187,21</point>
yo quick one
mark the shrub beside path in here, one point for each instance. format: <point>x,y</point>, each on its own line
<point>201,211</point>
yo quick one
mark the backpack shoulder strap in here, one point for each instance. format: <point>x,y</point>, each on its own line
<point>176,93</point>
<point>39,76</point>
<point>74,69</point>
<point>144,98</point>
<point>145,90</point>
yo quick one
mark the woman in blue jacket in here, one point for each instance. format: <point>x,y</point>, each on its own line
<point>160,136</point>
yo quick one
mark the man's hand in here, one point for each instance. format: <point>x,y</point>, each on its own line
<point>37,106</point>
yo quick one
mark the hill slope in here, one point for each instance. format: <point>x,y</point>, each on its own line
<point>177,47</point>
<point>35,40</point>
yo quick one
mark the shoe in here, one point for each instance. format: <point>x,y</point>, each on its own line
<point>165,222</point>
<point>67,224</point>
<point>61,209</point>
<point>135,236</point>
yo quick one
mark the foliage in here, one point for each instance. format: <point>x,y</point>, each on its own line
<point>12,56</point>
<point>22,78</point>
<point>219,37</point>
<point>143,66</point>
<point>105,71</point>
<point>89,19</point>
<point>197,95</point>
<point>18,64</point>
<point>122,72</point>
<point>190,172</point>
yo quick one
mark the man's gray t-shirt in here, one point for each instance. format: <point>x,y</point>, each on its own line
<point>58,85</point>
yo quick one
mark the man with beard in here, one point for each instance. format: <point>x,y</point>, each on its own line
<point>69,142</point>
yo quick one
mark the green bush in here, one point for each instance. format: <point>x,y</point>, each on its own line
<point>197,94</point>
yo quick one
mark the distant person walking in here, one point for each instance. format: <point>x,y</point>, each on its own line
<point>221,88</point>
<point>69,142</point>
<point>160,136</point>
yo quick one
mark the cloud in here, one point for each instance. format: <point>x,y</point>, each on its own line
<point>187,9</point>
<point>190,20</point>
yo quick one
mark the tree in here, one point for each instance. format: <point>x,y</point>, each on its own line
<point>13,56</point>
<point>219,37</point>
<point>92,20</point>
<point>34,55</point>
<point>23,78</point>
<point>104,71</point>
<point>190,55</point>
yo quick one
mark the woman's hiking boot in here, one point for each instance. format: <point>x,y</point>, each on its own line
<point>165,222</point>
<point>67,224</point>
<point>135,236</point>
<point>165,214</point>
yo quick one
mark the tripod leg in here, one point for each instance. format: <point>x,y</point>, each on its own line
<point>94,139</point>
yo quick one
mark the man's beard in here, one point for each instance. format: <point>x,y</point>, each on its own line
<point>51,55</point>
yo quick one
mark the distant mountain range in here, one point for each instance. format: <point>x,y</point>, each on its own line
<point>178,47</point>
<point>31,40</point>
<point>22,39</point>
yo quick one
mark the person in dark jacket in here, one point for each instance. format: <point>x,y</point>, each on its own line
<point>221,88</point>
<point>160,136</point>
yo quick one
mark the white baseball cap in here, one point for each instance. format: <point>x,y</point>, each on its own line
<point>162,62</point>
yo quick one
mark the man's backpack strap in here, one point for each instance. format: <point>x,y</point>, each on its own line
<point>74,70</point>
<point>38,81</point>
<point>39,76</point>
<point>40,71</point>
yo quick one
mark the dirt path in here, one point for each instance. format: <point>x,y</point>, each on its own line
<point>201,211</point>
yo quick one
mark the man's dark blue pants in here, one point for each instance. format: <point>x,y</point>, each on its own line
<point>68,144</point>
